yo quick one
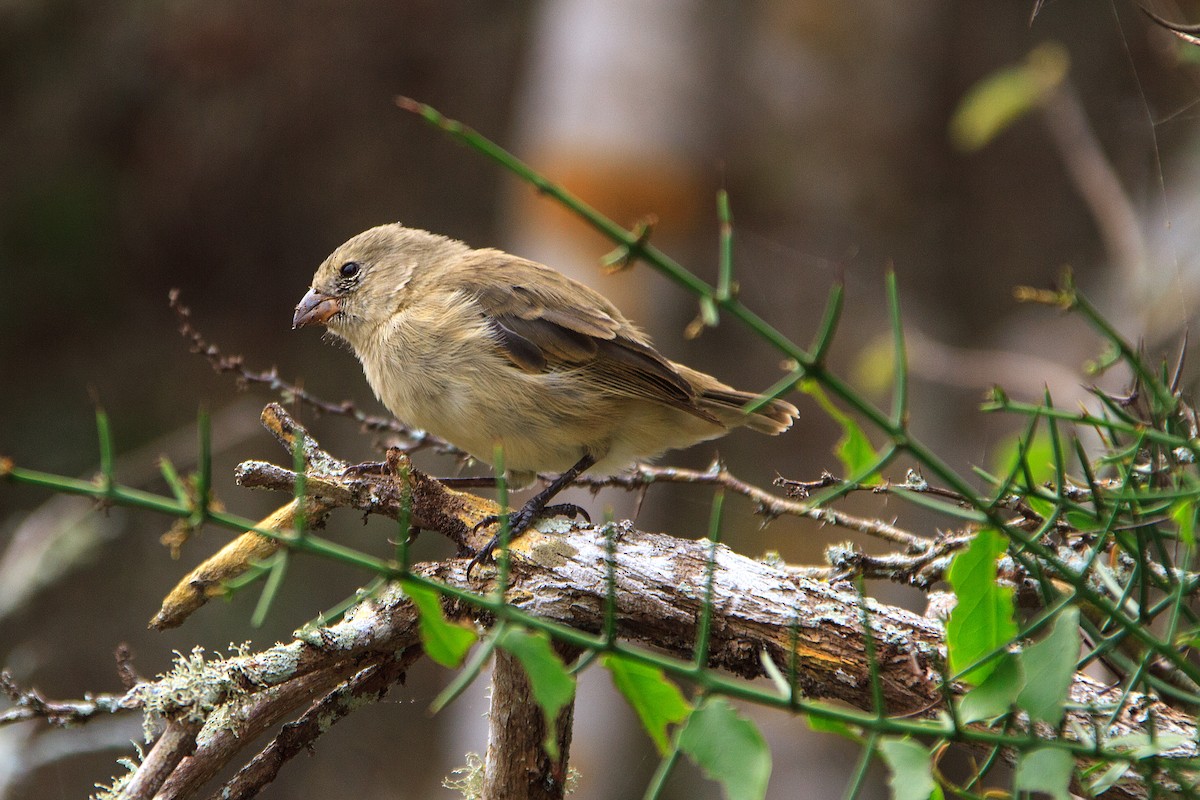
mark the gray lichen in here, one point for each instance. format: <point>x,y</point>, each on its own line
<point>194,689</point>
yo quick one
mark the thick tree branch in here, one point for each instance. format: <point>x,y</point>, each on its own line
<point>516,764</point>
<point>759,612</point>
<point>369,685</point>
<point>560,572</point>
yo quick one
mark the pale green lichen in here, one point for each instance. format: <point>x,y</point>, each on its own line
<point>194,689</point>
<point>552,551</point>
<point>772,558</point>
<point>116,789</point>
<point>469,782</point>
<point>275,665</point>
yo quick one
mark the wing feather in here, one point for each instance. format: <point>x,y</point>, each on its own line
<point>546,322</point>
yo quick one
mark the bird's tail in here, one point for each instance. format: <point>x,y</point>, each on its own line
<point>727,404</point>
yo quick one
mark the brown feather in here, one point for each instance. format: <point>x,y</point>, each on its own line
<point>533,308</point>
<point>486,349</point>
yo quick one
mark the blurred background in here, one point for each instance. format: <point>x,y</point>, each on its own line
<point>225,148</point>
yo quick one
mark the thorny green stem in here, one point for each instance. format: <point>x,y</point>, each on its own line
<point>895,429</point>
<point>708,680</point>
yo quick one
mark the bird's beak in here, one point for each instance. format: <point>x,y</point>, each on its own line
<point>314,308</point>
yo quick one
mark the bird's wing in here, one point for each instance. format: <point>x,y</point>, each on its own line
<point>545,322</point>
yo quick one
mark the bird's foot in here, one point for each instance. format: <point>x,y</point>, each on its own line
<point>519,522</point>
<point>568,510</point>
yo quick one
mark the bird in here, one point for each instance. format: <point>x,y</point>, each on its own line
<point>488,350</point>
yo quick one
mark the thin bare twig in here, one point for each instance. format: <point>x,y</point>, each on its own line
<point>921,569</point>
<point>30,704</point>
<point>913,482</point>
<point>411,439</point>
<point>768,505</point>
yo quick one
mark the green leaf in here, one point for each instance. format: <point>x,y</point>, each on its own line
<point>996,694</point>
<point>834,726</point>
<point>1109,777</point>
<point>1051,662</point>
<point>1184,514</point>
<point>1188,638</point>
<point>728,748</point>
<point>982,620</point>
<point>854,448</point>
<point>1047,769</point>
<point>911,766</point>
<point>657,701</point>
<point>1043,508</point>
<point>1142,745</point>
<point>1083,522</point>
<point>552,686</point>
<point>445,642</point>
<point>1003,97</point>
<point>1039,455</point>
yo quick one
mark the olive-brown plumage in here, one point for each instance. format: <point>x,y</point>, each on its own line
<point>485,349</point>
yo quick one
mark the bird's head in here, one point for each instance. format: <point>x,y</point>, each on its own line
<point>368,279</point>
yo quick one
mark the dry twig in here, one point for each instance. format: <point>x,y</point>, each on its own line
<point>761,613</point>
<point>30,704</point>
<point>410,439</point>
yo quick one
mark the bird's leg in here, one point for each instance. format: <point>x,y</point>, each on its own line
<point>537,506</point>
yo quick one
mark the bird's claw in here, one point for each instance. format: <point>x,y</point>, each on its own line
<point>484,554</point>
<point>568,510</point>
<point>518,523</point>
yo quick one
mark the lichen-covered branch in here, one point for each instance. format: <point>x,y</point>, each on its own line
<point>810,630</point>
<point>764,618</point>
<point>367,686</point>
<point>30,704</point>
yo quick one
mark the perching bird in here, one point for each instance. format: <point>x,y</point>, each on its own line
<point>486,349</point>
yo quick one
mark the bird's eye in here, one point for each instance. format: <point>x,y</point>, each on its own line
<point>350,269</point>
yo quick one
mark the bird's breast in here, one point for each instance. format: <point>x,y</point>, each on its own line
<point>422,361</point>
<point>438,368</point>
